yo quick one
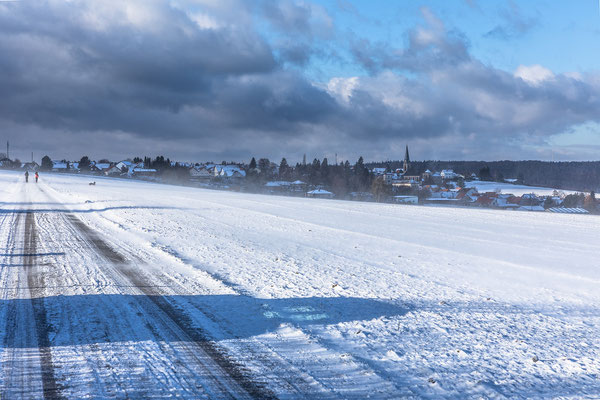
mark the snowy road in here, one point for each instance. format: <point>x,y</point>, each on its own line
<point>83,319</point>
<point>135,290</point>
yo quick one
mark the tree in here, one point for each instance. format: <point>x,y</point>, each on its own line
<point>380,190</point>
<point>325,171</point>
<point>548,203</point>
<point>252,164</point>
<point>84,163</point>
<point>485,174</point>
<point>360,163</point>
<point>284,169</point>
<point>264,165</point>
<point>46,163</point>
<point>574,200</point>
<point>590,202</point>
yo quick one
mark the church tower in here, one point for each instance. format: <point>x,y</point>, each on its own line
<point>406,160</point>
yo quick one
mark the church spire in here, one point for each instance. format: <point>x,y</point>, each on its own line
<point>406,160</point>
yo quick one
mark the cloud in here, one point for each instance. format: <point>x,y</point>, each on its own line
<point>534,74</point>
<point>200,80</point>
<point>515,23</point>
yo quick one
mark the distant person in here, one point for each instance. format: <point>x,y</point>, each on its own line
<point>37,176</point>
<point>26,176</point>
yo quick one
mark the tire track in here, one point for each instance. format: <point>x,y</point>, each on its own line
<point>234,375</point>
<point>36,285</point>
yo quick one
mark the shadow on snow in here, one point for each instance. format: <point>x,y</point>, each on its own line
<point>87,319</point>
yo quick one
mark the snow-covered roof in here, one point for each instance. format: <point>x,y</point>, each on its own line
<point>531,208</point>
<point>144,170</point>
<point>319,191</point>
<point>277,183</point>
<point>63,165</point>
<point>566,210</point>
<point>102,165</point>
<point>298,183</point>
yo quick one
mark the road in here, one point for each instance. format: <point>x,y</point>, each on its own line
<point>88,315</point>
<point>83,318</point>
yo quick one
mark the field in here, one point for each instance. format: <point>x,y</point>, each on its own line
<point>126,288</point>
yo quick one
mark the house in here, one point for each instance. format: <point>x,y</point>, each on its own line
<point>142,172</point>
<point>200,172</point>
<point>531,208</point>
<point>101,167</point>
<point>228,172</point>
<point>486,199</point>
<point>406,199</point>
<point>30,166</point>
<point>448,174</point>
<point>278,186</point>
<point>113,171</point>
<point>378,171</point>
<point>530,199</point>
<point>465,192</point>
<point>320,194</point>
<point>65,166</point>
<point>6,163</point>
<point>298,186</point>
<point>502,201</point>
<point>125,165</point>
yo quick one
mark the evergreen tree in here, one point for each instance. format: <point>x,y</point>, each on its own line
<point>284,169</point>
<point>84,163</point>
<point>252,164</point>
<point>485,174</point>
<point>47,163</point>
<point>325,171</point>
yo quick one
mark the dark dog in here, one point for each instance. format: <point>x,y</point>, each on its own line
<point>92,183</point>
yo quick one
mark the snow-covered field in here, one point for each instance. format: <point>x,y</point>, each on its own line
<point>517,190</point>
<point>289,297</point>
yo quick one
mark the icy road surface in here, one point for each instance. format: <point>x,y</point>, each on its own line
<point>132,290</point>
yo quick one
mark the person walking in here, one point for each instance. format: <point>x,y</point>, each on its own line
<point>26,176</point>
<point>37,176</point>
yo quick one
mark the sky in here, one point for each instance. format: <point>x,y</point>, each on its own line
<point>199,80</point>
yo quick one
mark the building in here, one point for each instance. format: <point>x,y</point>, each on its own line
<point>320,194</point>
<point>406,199</point>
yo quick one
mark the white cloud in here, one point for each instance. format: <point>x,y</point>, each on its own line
<point>533,74</point>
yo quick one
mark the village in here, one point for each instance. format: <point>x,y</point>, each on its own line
<point>403,185</point>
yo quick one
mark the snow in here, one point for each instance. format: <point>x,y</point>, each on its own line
<point>517,190</point>
<point>345,299</point>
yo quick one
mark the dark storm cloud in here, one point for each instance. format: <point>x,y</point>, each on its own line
<point>198,80</point>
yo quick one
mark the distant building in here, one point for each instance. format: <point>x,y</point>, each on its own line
<point>406,199</point>
<point>320,193</point>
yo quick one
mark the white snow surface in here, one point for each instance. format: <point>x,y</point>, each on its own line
<point>517,190</point>
<point>354,299</point>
